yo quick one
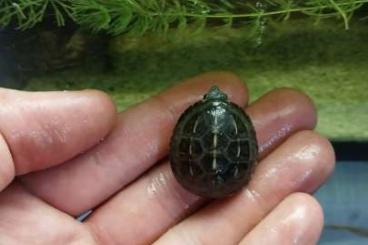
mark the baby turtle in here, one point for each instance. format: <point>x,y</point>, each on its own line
<point>214,147</point>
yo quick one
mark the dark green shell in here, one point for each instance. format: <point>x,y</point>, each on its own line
<point>213,148</point>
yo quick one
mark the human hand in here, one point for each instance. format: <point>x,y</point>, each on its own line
<point>52,142</point>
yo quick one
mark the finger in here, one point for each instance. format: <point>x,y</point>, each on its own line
<point>296,220</point>
<point>301,164</point>
<point>158,197</point>
<point>41,129</point>
<point>27,220</point>
<point>140,139</point>
<point>289,110</point>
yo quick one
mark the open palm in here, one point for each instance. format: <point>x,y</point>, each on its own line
<point>63,153</point>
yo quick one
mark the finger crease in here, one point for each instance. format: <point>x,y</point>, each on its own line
<point>99,235</point>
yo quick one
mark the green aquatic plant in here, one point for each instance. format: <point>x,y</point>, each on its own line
<point>141,16</point>
<point>25,14</point>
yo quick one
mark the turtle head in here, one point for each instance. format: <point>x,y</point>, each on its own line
<point>215,94</point>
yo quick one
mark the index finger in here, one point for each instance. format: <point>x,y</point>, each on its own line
<point>140,139</point>
<point>42,129</point>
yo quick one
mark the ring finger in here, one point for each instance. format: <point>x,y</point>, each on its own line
<point>298,219</point>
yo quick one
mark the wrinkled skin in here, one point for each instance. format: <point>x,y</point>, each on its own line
<point>66,152</point>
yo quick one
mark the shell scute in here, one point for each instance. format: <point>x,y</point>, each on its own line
<point>238,150</point>
<point>214,141</point>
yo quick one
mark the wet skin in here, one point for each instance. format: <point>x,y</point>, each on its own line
<point>67,152</point>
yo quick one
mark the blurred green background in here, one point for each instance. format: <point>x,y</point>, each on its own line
<point>325,61</point>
